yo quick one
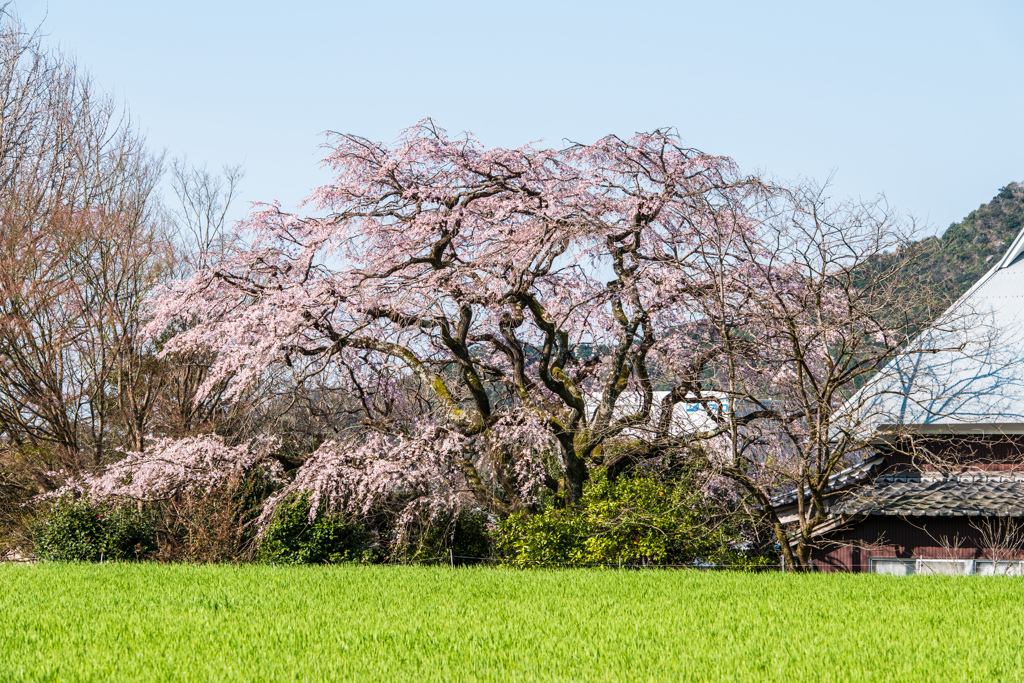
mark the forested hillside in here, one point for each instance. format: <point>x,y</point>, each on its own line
<point>969,248</point>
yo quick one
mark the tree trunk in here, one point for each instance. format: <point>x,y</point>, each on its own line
<point>575,475</point>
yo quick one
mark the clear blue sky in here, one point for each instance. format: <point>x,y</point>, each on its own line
<point>920,100</point>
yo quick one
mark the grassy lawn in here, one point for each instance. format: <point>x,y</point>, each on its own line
<point>183,623</point>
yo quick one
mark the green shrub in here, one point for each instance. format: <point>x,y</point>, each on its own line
<point>466,539</point>
<point>292,539</point>
<point>637,519</point>
<point>551,538</point>
<point>78,531</point>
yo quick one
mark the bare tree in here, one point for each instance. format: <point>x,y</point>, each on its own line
<point>204,200</point>
<point>80,245</point>
<point>1002,540</point>
<point>802,323</point>
<point>199,223</point>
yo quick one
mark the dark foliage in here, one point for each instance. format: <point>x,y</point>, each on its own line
<point>77,531</point>
<point>466,539</point>
<point>292,539</point>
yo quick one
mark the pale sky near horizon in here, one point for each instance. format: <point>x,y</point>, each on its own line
<point>921,101</point>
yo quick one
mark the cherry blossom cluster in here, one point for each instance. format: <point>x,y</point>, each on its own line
<point>169,467</point>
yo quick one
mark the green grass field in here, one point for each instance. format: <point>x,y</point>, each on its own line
<point>212,623</point>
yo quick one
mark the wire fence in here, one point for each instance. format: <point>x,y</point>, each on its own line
<point>457,560</point>
<point>454,560</point>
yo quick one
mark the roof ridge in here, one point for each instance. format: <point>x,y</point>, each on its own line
<point>1015,250</point>
<point>975,476</point>
<point>973,386</point>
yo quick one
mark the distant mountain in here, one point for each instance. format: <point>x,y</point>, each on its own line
<point>934,272</point>
<point>968,249</point>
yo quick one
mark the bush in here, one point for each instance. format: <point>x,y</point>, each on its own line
<point>78,531</point>
<point>216,525</point>
<point>22,468</point>
<point>292,539</point>
<point>639,519</point>
<point>466,538</point>
<point>551,538</point>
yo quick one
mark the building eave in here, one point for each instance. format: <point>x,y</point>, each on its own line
<point>890,433</point>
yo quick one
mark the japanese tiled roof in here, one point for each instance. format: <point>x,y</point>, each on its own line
<point>969,373</point>
<point>977,494</point>
<point>839,480</point>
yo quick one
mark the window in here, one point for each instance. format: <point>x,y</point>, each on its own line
<point>1000,568</point>
<point>955,567</point>
<point>891,565</point>
<point>899,567</point>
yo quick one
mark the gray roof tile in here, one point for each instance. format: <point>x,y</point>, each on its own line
<point>972,494</point>
<point>839,480</point>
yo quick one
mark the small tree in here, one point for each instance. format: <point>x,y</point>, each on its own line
<point>647,517</point>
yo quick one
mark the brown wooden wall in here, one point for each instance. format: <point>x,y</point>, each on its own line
<point>851,548</point>
<point>992,453</point>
